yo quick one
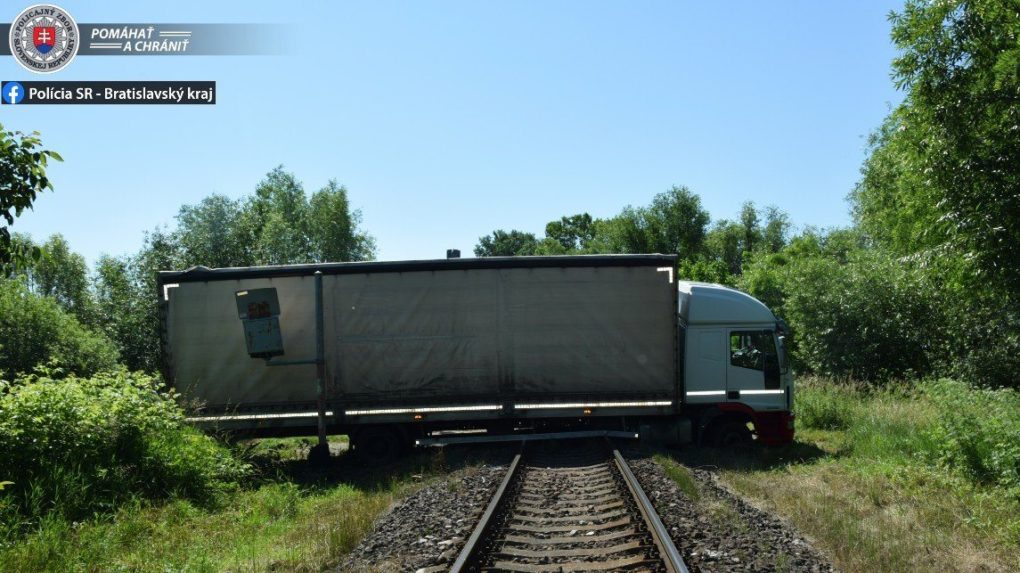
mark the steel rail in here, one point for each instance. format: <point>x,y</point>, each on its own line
<point>660,535</point>
<point>473,544</point>
<point>668,551</point>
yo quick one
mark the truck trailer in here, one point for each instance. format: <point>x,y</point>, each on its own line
<point>398,353</point>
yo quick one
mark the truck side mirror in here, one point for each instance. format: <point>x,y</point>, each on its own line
<point>772,371</point>
<point>259,311</point>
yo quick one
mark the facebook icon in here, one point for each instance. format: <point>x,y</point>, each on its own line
<point>12,92</point>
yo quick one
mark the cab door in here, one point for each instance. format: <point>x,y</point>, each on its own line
<point>752,368</point>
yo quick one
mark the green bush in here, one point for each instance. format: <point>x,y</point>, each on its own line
<point>855,314</point>
<point>34,330</point>
<point>986,341</point>
<point>978,432</point>
<point>78,446</point>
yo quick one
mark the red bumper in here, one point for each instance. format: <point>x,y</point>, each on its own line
<point>773,428</point>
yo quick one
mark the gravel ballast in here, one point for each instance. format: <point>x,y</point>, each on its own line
<point>718,531</point>
<point>426,531</point>
<point>721,531</point>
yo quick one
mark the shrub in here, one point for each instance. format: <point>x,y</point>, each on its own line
<point>34,330</point>
<point>978,432</point>
<point>986,341</point>
<point>78,446</point>
<point>872,318</point>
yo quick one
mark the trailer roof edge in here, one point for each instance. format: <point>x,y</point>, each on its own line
<point>198,274</point>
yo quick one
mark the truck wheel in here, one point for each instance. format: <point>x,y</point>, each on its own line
<point>732,435</point>
<point>378,443</point>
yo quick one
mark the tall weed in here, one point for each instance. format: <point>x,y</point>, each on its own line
<point>827,405</point>
<point>973,432</point>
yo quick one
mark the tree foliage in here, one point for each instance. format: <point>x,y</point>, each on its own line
<point>278,224</point>
<point>674,222</point>
<point>214,231</point>
<point>502,243</point>
<point>940,188</point>
<point>35,330</point>
<point>574,233</point>
<point>943,173</point>
<point>22,177</point>
<point>61,274</point>
<point>334,227</point>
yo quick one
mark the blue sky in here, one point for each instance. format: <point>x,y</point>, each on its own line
<point>446,120</point>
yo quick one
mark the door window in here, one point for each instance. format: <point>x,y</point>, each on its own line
<point>749,348</point>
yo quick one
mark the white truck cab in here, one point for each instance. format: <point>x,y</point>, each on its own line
<point>735,365</point>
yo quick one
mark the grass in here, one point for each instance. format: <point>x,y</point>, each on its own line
<point>876,483</point>
<point>904,478</point>
<point>295,519</point>
<point>273,528</point>
<point>681,475</point>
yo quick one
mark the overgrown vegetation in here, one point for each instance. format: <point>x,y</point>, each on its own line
<point>970,433</point>
<point>906,477</point>
<point>292,518</point>
<point>36,330</point>
<point>76,447</point>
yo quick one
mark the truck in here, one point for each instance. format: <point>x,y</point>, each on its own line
<point>399,353</point>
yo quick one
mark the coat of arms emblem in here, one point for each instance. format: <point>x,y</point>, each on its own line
<point>44,38</point>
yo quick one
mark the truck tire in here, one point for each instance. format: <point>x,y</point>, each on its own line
<point>732,434</point>
<point>378,443</point>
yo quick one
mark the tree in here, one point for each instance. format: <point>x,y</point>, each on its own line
<point>893,203</point>
<point>777,229</point>
<point>725,243</point>
<point>333,227</point>
<point>35,331</point>
<point>871,318</point>
<point>955,135</point>
<point>128,299</point>
<point>120,304</point>
<point>506,244</point>
<point>676,223</point>
<point>212,233</point>
<point>749,225</point>
<point>62,274</point>
<point>574,233</point>
<point>855,310</point>
<point>22,178</point>
<point>624,233</point>
<point>277,216</point>
<point>277,225</point>
<point>731,242</point>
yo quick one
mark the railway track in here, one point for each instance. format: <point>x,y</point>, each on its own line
<point>572,506</point>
